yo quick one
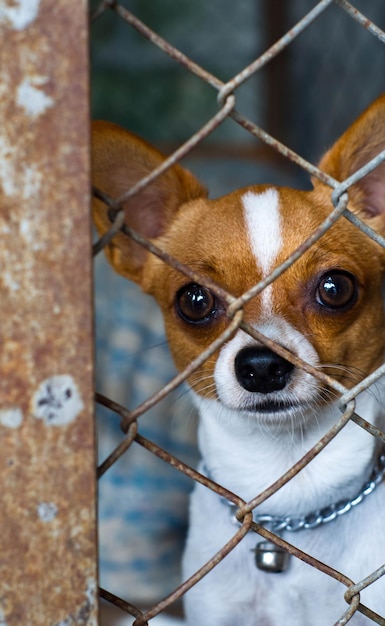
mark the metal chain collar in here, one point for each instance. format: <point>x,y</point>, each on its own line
<point>327,514</point>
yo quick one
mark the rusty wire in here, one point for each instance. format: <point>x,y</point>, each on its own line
<point>226,98</point>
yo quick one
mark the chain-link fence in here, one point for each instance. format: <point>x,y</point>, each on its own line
<point>225,93</point>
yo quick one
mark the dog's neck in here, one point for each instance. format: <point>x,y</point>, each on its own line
<point>246,457</point>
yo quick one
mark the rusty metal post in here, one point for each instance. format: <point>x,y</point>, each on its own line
<point>47,510</point>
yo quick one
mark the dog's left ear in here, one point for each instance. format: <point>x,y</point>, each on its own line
<point>358,145</point>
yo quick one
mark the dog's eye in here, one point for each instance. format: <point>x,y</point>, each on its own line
<point>337,290</point>
<point>195,304</point>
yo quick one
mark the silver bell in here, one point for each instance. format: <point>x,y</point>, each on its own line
<point>271,558</point>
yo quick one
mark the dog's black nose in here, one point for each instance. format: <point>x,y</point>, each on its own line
<point>261,370</point>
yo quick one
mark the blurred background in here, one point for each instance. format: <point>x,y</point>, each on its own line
<point>306,98</point>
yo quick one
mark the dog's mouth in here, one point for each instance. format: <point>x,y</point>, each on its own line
<point>275,409</point>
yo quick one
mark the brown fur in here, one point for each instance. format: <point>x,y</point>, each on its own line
<point>210,236</point>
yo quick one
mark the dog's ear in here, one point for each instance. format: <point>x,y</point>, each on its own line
<point>119,160</point>
<point>360,143</point>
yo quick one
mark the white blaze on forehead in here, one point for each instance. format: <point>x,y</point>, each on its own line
<point>263,224</point>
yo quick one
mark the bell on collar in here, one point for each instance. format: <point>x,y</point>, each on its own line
<point>271,558</point>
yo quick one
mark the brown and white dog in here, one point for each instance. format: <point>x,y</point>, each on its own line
<point>258,413</point>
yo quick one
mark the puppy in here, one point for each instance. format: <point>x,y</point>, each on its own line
<point>259,413</point>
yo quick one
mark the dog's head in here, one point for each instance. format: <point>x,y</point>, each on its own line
<point>327,308</point>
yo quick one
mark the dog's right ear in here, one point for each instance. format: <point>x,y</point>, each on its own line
<point>119,161</point>
<point>362,141</point>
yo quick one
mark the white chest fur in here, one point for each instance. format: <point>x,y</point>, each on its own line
<point>236,592</point>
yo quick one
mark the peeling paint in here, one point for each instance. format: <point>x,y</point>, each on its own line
<point>11,418</point>
<point>7,173</point>
<point>32,98</point>
<point>9,282</point>
<point>57,401</point>
<point>25,229</point>
<point>91,591</point>
<point>47,511</point>
<point>31,182</point>
<point>21,15</point>
<point>29,230</point>
<point>83,616</point>
<point>13,179</point>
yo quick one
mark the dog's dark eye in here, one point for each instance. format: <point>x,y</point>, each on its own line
<point>195,304</point>
<point>337,290</point>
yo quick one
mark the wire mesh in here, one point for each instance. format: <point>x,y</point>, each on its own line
<point>226,94</point>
